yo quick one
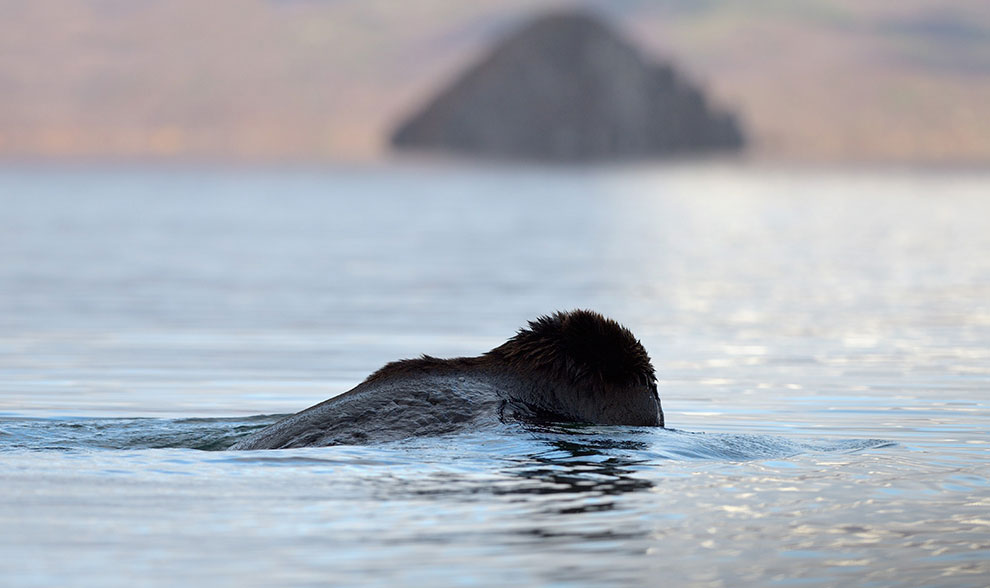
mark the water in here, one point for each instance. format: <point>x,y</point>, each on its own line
<point>822,340</point>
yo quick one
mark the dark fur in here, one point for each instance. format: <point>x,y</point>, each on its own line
<point>566,359</point>
<point>573,366</point>
<point>582,347</point>
<point>424,365</point>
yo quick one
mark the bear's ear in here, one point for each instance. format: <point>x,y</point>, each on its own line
<point>582,346</point>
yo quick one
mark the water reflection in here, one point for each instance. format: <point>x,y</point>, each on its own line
<point>578,468</point>
<point>571,492</point>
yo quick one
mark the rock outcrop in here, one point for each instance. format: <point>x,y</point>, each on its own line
<point>567,88</point>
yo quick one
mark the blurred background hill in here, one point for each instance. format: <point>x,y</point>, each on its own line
<point>310,81</point>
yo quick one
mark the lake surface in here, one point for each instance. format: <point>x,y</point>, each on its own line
<point>822,340</point>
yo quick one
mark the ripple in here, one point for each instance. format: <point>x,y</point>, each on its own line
<point>560,442</point>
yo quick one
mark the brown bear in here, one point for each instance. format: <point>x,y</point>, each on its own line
<point>573,366</point>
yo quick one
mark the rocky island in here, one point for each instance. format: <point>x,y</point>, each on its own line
<point>567,88</point>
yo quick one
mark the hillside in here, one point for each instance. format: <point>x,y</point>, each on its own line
<point>566,87</point>
<point>307,80</point>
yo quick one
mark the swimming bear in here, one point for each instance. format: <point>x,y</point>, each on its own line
<point>573,366</point>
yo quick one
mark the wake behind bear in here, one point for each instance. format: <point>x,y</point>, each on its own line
<point>573,366</point>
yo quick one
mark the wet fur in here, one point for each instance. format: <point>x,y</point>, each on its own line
<point>582,347</point>
<point>573,366</point>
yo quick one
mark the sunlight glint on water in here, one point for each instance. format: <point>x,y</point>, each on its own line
<point>822,340</point>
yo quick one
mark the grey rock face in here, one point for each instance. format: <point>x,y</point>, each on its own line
<point>567,88</point>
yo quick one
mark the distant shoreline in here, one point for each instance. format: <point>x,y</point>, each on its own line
<point>322,82</point>
<point>420,164</point>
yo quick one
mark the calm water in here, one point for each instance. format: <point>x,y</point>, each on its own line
<point>822,339</point>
